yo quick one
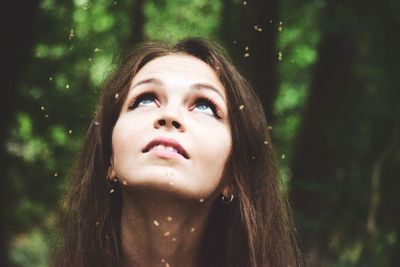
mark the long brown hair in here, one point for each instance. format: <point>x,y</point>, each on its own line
<point>255,230</point>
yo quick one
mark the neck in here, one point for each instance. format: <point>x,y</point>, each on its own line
<point>161,230</point>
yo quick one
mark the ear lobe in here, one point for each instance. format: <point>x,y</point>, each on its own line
<point>228,190</point>
<point>111,173</point>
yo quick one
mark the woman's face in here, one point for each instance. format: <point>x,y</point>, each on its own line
<point>173,132</point>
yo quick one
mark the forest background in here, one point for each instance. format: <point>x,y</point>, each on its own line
<point>326,71</point>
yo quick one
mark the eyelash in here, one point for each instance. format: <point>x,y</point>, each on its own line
<point>202,99</point>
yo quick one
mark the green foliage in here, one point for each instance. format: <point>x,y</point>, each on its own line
<point>174,20</point>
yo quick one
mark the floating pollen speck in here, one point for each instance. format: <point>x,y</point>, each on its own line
<point>245,3</point>
<point>124,183</point>
<point>96,123</point>
<point>97,223</point>
<point>201,200</point>
<point>67,86</point>
<point>111,191</point>
<point>55,174</point>
<point>173,239</point>
<point>279,56</point>
<point>167,233</point>
<point>253,157</point>
<point>70,131</point>
<point>96,50</point>
<point>71,34</point>
<point>90,59</point>
<point>246,48</point>
<point>283,156</point>
<point>193,229</point>
<point>116,95</point>
<point>241,107</point>
<point>169,218</point>
<point>266,142</point>
<point>167,265</point>
<point>156,223</point>
<point>50,79</point>
<point>162,260</point>
<point>246,55</point>
<point>42,108</point>
<point>269,127</point>
<point>46,116</point>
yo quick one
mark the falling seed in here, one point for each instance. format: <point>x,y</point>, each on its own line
<point>55,174</point>
<point>201,200</point>
<point>169,218</point>
<point>280,56</point>
<point>96,123</point>
<point>42,108</point>
<point>266,142</point>
<point>96,50</point>
<point>116,95</point>
<point>253,157</point>
<point>193,229</point>
<point>50,78</point>
<point>283,156</point>
<point>115,2</point>
<point>280,22</point>
<point>280,28</point>
<point>246,48</point>
<point>173,239</point>
<point>269,127</point>
<point>97,223</point>
<point>234,41</point>
<point>270,21</point>
<point>156,223</point>
<point>246,55</point>
<point>167,233</point>
<point>46,116</point>
<point>111,191</point>
<point>167,264</point>
<point>244,3</point>
<point>67,86</point>
<point>71,34</point>
<point>162,260</point>
<point>241,107</point>
<point>90,59</point>
<point>124,183</point>
<point>70,131</point>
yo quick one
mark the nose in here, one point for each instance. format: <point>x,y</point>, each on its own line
<point>169,119</point>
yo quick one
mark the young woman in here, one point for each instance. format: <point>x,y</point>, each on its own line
<point>177,169</point>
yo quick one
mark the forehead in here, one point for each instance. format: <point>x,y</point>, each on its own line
<point>179,67</point>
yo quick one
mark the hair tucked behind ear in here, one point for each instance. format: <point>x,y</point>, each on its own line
<point>256,230</point>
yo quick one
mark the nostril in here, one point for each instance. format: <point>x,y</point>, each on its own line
<point>162,122</point>
<point>176,124</point>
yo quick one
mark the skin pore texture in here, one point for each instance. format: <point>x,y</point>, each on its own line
<point>166,197</point>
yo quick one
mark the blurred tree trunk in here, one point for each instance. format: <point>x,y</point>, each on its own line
<point>249,30</point>
<point>316,155</point>
<point>17,28</point>
<point>137,22</point>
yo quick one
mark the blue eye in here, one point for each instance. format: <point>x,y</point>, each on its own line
<point>145,99</point>
<point>206,106</point>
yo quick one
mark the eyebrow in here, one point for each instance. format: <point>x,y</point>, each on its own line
<point>195,86</point>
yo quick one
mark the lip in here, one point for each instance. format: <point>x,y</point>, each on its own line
<point>166,142</point>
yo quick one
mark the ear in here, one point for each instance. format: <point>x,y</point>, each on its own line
<point>111,173</point>
<point>228,190</point>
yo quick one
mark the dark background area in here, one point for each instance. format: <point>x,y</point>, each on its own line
<point>326,71</point>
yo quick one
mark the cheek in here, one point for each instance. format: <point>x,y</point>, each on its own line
<point>215,148</point>
<point>124,138</point>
